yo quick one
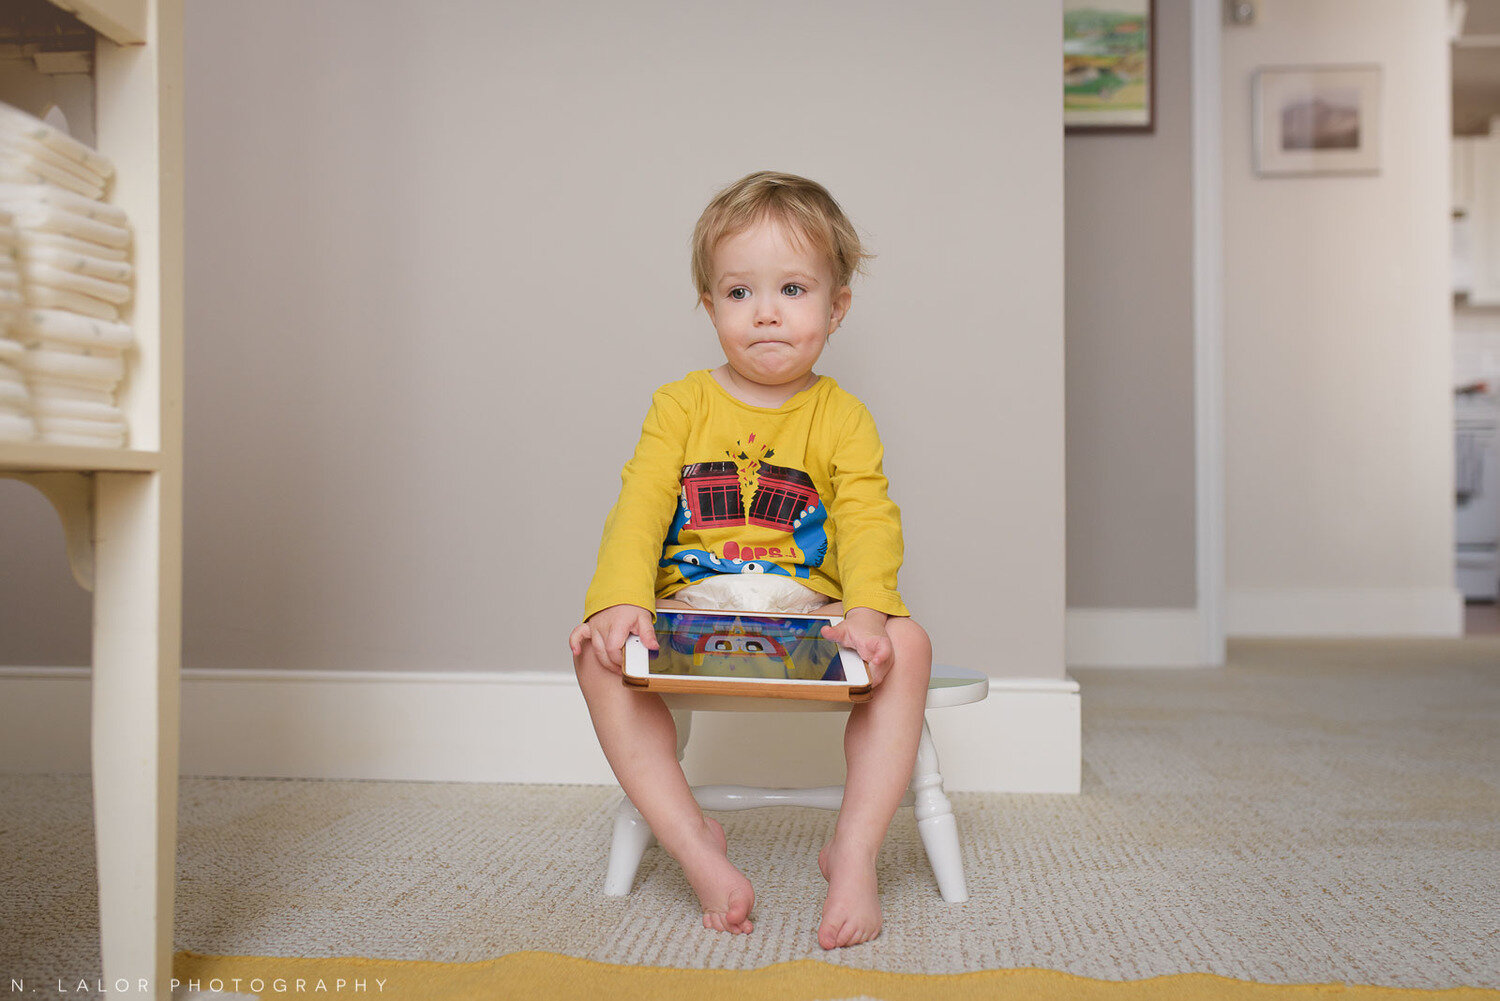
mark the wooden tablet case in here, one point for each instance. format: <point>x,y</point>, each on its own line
<point>663,684</point>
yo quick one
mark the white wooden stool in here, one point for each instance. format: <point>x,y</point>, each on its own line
<point>950,686</point>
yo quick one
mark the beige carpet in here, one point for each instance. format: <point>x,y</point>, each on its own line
<point>1316,812</point>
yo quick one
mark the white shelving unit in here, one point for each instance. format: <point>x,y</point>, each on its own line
<point>122,509</point>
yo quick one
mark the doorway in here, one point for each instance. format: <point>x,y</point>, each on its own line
<point>1475,65</point>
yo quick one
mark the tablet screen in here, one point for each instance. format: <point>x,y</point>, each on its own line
<point>729,645</point>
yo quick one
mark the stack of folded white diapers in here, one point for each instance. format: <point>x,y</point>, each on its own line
<point>64,276</point>
<point>15,398</point>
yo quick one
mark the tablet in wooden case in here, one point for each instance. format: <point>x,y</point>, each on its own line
<point>769,656</point>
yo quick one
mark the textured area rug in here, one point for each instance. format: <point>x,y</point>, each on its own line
<point>1315,813</point>
<point>539,976</point>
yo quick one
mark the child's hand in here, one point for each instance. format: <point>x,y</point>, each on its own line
<point>607,630</point>
<point>863,631</point>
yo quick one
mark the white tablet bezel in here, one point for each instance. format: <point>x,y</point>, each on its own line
<point>856,674</point>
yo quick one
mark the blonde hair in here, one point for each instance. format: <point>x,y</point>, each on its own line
<point>804,207</point>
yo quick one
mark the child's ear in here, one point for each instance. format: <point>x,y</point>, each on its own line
<point>841,302</point>
<point>707,302</point>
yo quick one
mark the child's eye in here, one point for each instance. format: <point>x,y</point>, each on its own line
<point>738,292</point>
<point>792,289</point>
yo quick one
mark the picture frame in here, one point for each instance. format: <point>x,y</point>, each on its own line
<point>1109,66</point>
<point>1317,120</point>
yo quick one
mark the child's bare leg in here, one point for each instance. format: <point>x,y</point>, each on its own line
<point>880,749</point>
<point>640,741</point>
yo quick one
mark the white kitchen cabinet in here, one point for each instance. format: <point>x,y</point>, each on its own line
<point>1476,193</point>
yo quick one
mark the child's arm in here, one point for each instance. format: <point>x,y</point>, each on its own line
<point>866,521</point>
<point>623,590</point>
<point>870,546</point>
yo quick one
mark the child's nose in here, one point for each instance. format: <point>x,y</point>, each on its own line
<point>765,312</point>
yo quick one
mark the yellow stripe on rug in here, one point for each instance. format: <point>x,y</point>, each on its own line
<point>542,976</point>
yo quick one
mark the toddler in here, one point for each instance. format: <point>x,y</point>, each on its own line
<point>757,485</point>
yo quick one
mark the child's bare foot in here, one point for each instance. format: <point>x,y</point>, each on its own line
<point>722,889</point>
<point>851,914</point>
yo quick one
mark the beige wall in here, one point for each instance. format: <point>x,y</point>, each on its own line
<point>1337,332</point>
<point>437,264</point>
<point>1131,541</point>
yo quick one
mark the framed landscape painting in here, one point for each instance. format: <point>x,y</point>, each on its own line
<point>1317,120</point>
<point>1109,65</point>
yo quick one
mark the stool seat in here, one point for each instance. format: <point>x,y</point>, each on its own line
<point>949,686</point>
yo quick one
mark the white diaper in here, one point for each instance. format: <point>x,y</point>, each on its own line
<point>16,427</point>
<point>752,592</point>
<point>104,370</point>
<point>77,302</point>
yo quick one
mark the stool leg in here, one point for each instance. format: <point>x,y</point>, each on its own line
<point>631,837</point>
<point>936,824</point>
<point>683,720</point>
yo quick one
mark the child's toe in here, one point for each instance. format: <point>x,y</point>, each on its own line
<point>828,935</point>
<point>738,911</point>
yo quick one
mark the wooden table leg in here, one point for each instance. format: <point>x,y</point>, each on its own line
<point>137,588</point>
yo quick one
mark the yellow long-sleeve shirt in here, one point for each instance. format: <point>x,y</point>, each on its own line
<point>720,486</point>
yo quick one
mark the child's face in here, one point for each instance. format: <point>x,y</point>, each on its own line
<point>773,304</point>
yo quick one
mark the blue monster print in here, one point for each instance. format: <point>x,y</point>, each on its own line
<point>696,564</point>
<point>679,520</point>
<point>810,537</point>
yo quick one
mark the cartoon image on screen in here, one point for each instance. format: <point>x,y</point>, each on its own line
<point>726,645</point>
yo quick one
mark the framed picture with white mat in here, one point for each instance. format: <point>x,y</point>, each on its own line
<point>1317,120</point>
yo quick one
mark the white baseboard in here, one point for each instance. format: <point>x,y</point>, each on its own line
<point>1332,612</point>
<point>1135,637</point>
<point>516,727</point>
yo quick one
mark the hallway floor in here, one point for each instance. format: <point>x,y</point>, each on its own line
<point>1482,619</point>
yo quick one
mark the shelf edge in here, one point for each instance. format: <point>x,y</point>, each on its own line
<point>20,457</point>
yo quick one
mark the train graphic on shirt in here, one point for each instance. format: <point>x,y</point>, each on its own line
<point>751,492</point>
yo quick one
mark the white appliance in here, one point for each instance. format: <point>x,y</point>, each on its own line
<point>1477,493</point>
